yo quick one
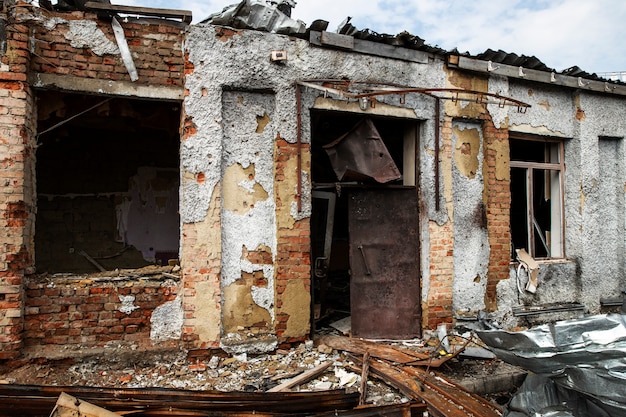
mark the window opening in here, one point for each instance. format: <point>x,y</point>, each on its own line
<point>537,197</point>
<point>107,183</point>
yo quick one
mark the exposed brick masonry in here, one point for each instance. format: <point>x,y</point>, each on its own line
<point>17,186</point>
<point>157,52</point>
<point>88,313</point>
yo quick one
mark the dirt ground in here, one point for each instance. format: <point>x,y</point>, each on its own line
<point>118,365</point>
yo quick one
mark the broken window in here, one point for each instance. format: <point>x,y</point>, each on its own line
<point>107,183</point>
<point>537,197</point>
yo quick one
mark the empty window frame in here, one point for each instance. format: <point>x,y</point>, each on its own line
<point>537,171</point>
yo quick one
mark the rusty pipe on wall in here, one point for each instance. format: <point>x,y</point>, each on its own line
<point>437,151</point>
<point>299,147</point>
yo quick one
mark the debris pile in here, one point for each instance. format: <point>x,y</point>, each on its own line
<point>345,374</point>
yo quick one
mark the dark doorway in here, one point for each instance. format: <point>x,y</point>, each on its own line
<point>107,183</point>
<point>365,268</point>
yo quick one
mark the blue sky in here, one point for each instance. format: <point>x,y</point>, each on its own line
<point>561,33</point>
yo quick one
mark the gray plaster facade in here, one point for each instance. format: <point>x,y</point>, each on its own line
<point>237,66</point>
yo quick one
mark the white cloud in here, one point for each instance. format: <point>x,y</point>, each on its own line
<point>561,33</point>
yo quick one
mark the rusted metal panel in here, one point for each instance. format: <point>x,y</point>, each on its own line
<point>35,400</point>
<point>361,154</point>
<point>384,260</point>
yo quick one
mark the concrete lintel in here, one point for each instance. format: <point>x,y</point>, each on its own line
<point>70,83</point>
<point>381,109</point>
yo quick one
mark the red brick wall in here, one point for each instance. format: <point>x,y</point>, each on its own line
<point>498,196</point>
<point>293,257</point>
<point>438,307</point>
<point>87,313</point>
<point>156,50</point>
<point>17,186</point>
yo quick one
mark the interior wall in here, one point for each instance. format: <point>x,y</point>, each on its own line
<point>107,181</point>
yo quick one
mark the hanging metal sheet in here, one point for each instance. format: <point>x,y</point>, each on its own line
<point>361,154</point>
<point>384,260</point>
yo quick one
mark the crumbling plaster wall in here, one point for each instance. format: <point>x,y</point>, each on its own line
<point>225,63</point>
<point>471,244</point>
<point>593,198</point>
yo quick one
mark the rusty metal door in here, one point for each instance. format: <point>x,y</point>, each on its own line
<point>384,260</point>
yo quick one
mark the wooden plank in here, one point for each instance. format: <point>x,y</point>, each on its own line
<point>184,15</point>
<point>68,406</point>
<point>437,362</point>
<point>378,49</point>
<point>376,350</point>
<point>300,379</point>
<point>449,389</point>
<point>365,372</point>
<point>394,410</point>
<point>414,389</point>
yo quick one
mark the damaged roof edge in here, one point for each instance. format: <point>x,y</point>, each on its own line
<point>585,84</point>
<point>184,15</point>
<point>268,16</point>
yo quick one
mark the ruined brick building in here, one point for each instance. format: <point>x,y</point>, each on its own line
<point>292,173</point>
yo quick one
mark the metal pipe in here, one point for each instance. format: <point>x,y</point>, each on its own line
<point>437,134</point>
<point>299,147</point>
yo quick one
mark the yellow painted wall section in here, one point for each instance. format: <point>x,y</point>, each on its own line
<point>201,262</point>
<point>466,151</point>
<point>238,198</point>
<point>296,298</point>
<point>208,312</point>
<point>240,310</point>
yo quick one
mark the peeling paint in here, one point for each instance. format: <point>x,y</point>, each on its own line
<point>503,168</point>
<point>248,207</point>
<point>207,312</point>
<point>545,104</point>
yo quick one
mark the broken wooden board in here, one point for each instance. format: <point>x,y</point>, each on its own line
<point>302,378</point>
<point>444,398</point>
<point>376,350</point>
<point>453,391</point>
<point>433,362</point>
<point>68,406</point>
